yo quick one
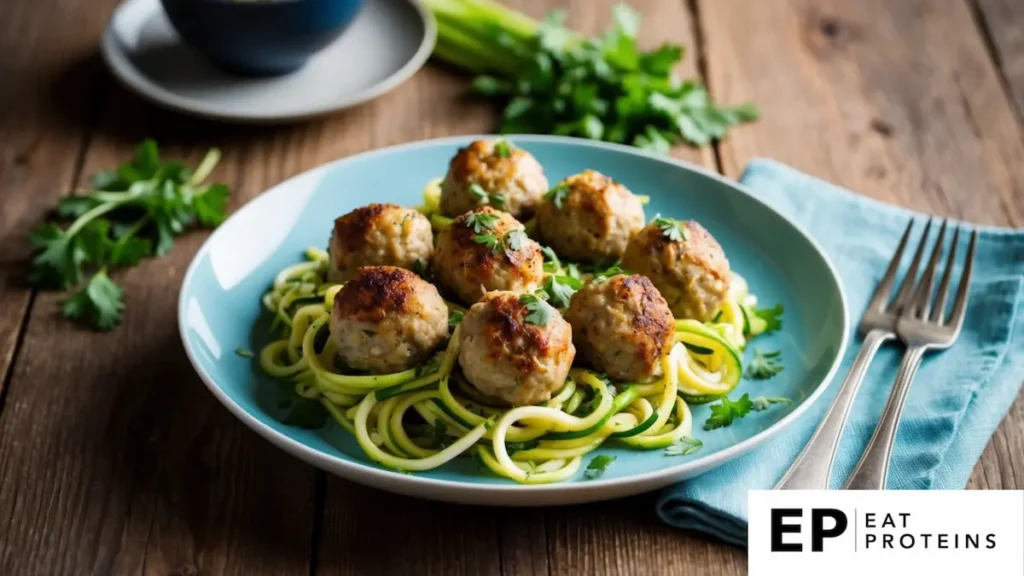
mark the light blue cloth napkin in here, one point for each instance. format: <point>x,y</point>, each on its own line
<point>958,397</point>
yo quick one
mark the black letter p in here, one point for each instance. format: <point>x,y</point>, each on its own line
<point>818,531</point>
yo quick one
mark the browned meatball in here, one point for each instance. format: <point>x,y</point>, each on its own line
<point>622,327</point>
<point>511,177</point>
<point>506,356</point>
<point>379,235</point>
<point>387,319</point>
<point>589,217</point>
<point>486,250</point>
<point>692,272</point>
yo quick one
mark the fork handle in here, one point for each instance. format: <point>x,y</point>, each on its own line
<point>813,466</point>
<point>872,471</point>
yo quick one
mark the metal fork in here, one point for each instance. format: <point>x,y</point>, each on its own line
<point>812,468</point>
<point>923,325</point>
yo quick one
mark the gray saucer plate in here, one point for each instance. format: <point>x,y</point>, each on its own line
<point>388,42</point>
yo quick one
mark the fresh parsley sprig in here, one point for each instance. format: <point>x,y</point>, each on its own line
<point>483,197</point>
<point>555,81</point>
<point>684,447</point>
<point>131,213</point>
<point>511,241</point>
<point>503,148</point>
<point>540,312</point>
<point>598,465</point>
<point>558,194</point>
<point>561,288</point>
<point>674,230</point>
<point>726,411</point>
<point>772,317</point>
<point>762,403</point>
<point>764,365</point>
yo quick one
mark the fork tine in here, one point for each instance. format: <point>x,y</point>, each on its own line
<point>960,304</point>
<point>906,291</point>
<point>922,300</point>
<point>939,311</point>
<point>881,296</point>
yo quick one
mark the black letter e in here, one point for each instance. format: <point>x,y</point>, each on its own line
<point>779,528</point>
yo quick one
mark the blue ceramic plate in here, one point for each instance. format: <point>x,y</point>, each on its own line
<point>219,308</point>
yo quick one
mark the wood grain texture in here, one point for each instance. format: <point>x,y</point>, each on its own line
<point>50,81</point>
<point>1003,21</point>
<point>896,100</point>
<point>114,458</point>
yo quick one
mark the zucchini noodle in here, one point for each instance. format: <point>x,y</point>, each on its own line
<point>424,417</point>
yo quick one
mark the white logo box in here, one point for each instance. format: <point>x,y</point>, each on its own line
<point>912,533</point>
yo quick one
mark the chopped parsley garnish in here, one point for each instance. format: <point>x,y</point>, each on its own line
<point>762,403</point>
<point>613,270</point>
<point>515,239</point>
<point>480,221</point>
<point>772,317</point>
<point>541,313</point>
<point>243,352</point>
<point>512,240</point>
<point>455,318</point>
<point>674,230</point>
<point>552,264</point>
<point>513,447</point>
<point>483,197</point>
<point>561,288</point>
<point>503,148</point>
<point>598,464</point>
<point>723,413</point>
<point>557,194</point>
<point>684,447</point>
<point>764,365</point>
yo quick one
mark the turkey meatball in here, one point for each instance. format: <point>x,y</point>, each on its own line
<point>622,327</point>
<point>387,319</point>
<point>589,217</point>
<point>506,177</point>
<point>507,356</point>
<point>685,263</point>
<point>486,250</point>
<point>379,235</point>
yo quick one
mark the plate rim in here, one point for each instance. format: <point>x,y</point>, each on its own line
<point>133,79</point>
<point>455,491</point>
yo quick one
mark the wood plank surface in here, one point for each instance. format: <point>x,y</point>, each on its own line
<point>896,100</point>
<point>1003,21</point>
<point>114,458</point>
<point>125,464</point>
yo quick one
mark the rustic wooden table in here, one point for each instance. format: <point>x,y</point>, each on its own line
<point>114,459</point>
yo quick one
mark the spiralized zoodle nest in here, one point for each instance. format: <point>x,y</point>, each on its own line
<point>421,418</point>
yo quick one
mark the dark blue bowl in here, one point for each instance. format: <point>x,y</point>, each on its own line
<point>262,38</point>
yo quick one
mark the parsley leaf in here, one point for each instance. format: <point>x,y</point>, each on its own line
<point>100,302</point>
<point>764,365</point>
<point>480,221</point>
<point>455,318</point>
<point>489,240</point>
<point>723,413</point>
<point>552,264</point>
<point>684,447</point>
<point>515,239</point>
<point>553,80</point>
<point>762,403</point>
<point>602,275</point>
<point>133,212</point>
<point>541,313</point>
<point>483,197</point>
<point>558,194</point>
<point>674,230</point>
<point>503,148</point>
<point>598,465</point>
<point>561,288</point>
<point>772,316</point>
